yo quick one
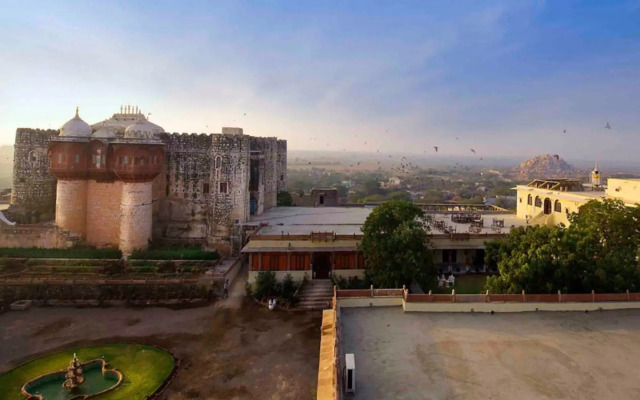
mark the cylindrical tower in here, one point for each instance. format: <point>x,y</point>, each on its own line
<point>71,205</point>
<point>68,162</point>
<point>136,215</point>
<point>137,160</point>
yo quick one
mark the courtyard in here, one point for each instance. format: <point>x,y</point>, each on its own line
<point>471,356</point>
<point>233,349</point>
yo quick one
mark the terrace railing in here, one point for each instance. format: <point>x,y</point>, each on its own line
<point>487,297</point>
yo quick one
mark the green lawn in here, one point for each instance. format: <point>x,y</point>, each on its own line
<point>145,368</point>
<point>465,284</point>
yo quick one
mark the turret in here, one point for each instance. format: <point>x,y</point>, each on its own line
<point>595,178</point>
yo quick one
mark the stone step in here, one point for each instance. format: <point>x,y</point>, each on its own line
<point>317,297</point>
<point>318,305</point>
<point>317,291</point>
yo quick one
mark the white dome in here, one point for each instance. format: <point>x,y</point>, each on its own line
<point>75,127</point>
<point>105,132</point>
<point>142,129</point>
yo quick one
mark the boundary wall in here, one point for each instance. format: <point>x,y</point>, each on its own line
<point>486,302</point>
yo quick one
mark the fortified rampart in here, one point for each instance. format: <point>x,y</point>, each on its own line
<point>206,182</point>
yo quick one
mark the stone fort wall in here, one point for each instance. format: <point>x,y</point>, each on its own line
<point>34,188</point>
<point>203,189</point>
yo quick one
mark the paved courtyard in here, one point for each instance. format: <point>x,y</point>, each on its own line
<point>232,350</point>
<point>525,356</point>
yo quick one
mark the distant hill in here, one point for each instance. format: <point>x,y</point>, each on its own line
<point>544,166</point>
<point>6,166</point>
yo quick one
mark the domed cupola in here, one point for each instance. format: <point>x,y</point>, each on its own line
<point>142,129</point>
<point>75,127</point>
<point>105,132</point>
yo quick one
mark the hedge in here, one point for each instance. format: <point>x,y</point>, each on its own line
<point>174,254</point>
<point>84,252</point>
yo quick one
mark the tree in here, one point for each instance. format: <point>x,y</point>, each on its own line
<point>527,259</point>
<point>605,239</point>
<point>284,199</point>
<point>598,251</point>
<point>395,245</point>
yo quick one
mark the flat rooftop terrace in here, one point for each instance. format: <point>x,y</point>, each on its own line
<point>526,356</point>
<point>348,220</point>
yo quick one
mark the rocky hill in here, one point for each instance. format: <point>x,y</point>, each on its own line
<point>544,166</point>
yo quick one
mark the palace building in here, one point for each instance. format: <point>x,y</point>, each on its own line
<point>551,201</point>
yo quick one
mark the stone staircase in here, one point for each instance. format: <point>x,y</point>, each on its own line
<point>316,295</point>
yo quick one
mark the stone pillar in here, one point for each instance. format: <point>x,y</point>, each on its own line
<point>136,216</point>
<point>71,205</point>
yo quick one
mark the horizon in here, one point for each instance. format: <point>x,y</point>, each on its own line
<point>507,79</point>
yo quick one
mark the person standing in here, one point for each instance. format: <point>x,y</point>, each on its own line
<point>225,289</point>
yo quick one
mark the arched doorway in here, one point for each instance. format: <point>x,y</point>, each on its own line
<point>547,206</point>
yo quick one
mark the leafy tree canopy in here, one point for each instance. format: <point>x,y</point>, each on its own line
<point>395,245</point>
<point>598,251</point>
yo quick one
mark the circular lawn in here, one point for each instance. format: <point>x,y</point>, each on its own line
<point>145,368</point>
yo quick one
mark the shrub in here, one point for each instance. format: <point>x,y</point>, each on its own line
<point>173,253</point>
<point>266,285</point>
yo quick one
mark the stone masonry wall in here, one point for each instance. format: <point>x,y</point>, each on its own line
<point>268,147</point>
<point>33,186</point>
<point>184,208</point>
<point>229,187</point>
<point>281,165</point>
<point>103,213</point>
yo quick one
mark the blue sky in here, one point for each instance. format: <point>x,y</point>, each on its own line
<point>506,77</point>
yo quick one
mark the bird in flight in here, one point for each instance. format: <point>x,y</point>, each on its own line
<point>607,126</point>
<point>435,148</point>
<point>565,131</point>
<point>457,138</point>
<point>473,151</point>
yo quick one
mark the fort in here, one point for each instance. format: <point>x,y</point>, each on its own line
<point>125,182</point>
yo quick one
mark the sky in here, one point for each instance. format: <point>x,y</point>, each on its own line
<point>504,77</point>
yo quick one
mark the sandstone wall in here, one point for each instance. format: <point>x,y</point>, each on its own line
<point>71,206</point>
<point>136,216</point>
<point>45,236</point>
<point>103,213</point>
<point>33,186</point>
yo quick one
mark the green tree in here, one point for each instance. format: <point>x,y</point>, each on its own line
<point>527,259</point>
<point>598,251</point>
<point>284,199</point>
<point>395,245</point>
<point>605,238</point>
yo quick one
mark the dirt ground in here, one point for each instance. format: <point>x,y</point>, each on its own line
<point>502,356</point>
<point>234,349</point>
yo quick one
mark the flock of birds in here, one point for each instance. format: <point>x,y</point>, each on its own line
<point>404,164</point>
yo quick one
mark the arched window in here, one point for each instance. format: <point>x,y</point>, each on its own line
<point>529,200</point>
<point>557,207</point>
<point>538,202</point>
<point>547,206</point>
<point>218,162</point>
